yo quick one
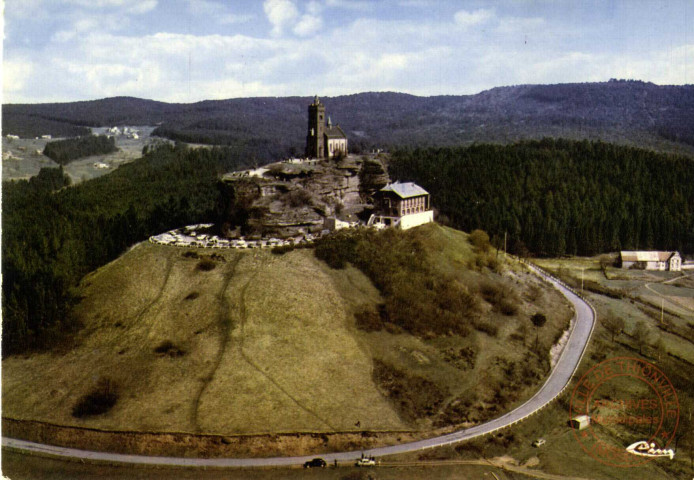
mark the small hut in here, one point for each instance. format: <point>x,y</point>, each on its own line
<point>580,422</point>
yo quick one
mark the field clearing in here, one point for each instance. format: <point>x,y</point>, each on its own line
<point>26,163</point>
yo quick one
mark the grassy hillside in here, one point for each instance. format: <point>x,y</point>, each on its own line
<point>249,342</point>
<point>256,334</point>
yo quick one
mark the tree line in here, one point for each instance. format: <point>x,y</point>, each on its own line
<point>52,236</point>
<point>557,197</point>
<point>65,151</point>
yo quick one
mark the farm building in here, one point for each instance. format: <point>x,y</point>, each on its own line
<point>651,260</point>
<point>580,422</point>
<point>402,205</point>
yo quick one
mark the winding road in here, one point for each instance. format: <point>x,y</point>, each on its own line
<point>558,380</point>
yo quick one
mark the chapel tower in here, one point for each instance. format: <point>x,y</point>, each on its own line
<point>315,143</point>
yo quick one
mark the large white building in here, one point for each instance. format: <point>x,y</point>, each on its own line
<point>402,205</point>
<point>651,260</point>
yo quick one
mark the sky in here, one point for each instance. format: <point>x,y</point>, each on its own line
<point>191,50</point>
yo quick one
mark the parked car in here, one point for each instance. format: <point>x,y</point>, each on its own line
<point>316,462</point>
<point>539,442</point>
<point>366,462</point>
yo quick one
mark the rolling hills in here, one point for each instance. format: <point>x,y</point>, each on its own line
<point>626,112</point>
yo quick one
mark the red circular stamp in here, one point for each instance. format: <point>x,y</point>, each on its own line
<point>624,412</point>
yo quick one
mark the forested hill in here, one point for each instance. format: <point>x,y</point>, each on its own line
<point>625,112</point>
<point>557,197</point>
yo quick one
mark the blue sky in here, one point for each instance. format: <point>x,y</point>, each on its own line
<point>191,50</point>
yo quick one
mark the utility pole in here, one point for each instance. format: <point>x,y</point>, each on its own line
<point>662,300</point>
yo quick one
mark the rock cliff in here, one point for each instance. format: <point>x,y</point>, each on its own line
<point>294,198</point>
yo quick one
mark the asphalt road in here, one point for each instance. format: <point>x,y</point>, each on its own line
<point>558,380</point>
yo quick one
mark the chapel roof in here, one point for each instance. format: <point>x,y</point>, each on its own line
<point>335,132</point>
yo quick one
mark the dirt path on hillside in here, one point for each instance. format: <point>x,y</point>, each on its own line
<point>243,317</point>
<point>225,325</point>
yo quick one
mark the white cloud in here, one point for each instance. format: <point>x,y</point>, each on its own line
<point>468,19</point>
<point>314,7</point>
<point>128,6</point>
<point>92,57</point>
<point>217,11</point>
<point>15,74</point>
<point>308,25</point>
<point>281,14</point>
<point>80,24</point>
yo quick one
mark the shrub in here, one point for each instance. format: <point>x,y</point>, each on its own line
<point>494,264</point>
<point>539,319</point>
<point>480,240</point>
<point>500,296</point>
<point>281,250</point>
<point>167,347</point>
<point>520,334</point>
<point>336,249</point>
<point>206,264</point>
<point>298,198</point>
<point>417,298</point>
<point>97,402</point>
<point>508,308</point>
<point>415,397</point>
<point>368,319</point>
<point>192,296</point>
<point>491,292</point>
<point>595,287</point>
<point>486,327</point>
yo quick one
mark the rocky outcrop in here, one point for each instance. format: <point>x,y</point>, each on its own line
<point>294,198</point>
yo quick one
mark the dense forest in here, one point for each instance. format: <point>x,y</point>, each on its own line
<point>53,236</point>
<point>65,151</point>
<point>28,125</point>
<point>625,112</point>
<point>551,197</point>
<point>556,197</point>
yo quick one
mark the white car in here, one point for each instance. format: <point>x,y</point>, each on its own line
<point>539,442</point>
<point>366,462</point>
